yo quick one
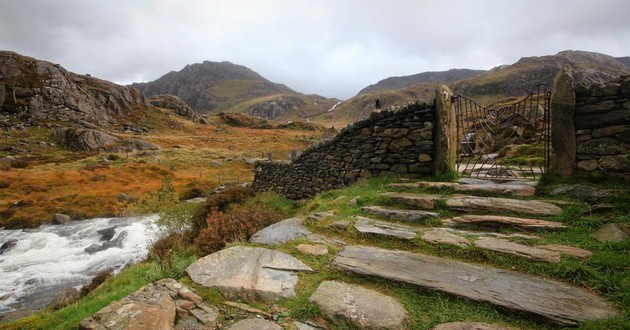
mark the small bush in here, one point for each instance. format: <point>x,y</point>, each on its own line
<point>19,163</point>
<point>218,203</point>
<point>158,201</point>
<point>112,157</point>
<point>238,223</point>
<point>5,184</point>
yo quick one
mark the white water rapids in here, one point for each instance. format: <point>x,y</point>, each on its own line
<point>52,257</point>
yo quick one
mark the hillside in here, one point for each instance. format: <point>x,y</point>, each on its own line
<point>503,82</point>
<point>421,78</point>
<point>214,87</point>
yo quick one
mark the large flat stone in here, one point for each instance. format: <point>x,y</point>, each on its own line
<point>371,226</point>
<point>254,324</point>
<point>500,205</point>
<point>609,233</point>
<point>525,251</point>
<point>493,220</point>
<point>470,326</point>
<point>553,301</point>
<point>399,214</point>
<point>427,202</point>
<point>443,236</point>
<point>363,308</point>
<point>570,250</point>
<point>281,232</point>
<point>248,273</point>
<point>503,188</point>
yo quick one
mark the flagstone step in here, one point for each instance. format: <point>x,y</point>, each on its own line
<point>550,300</point>
<point>493,220</point>
<point>476,204</point>
<point>399,214</point>
<point>499,188</point>
<point>371,226</point>
<point>525,251</point>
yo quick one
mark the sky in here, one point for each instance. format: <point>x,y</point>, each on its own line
<point>329,47</point>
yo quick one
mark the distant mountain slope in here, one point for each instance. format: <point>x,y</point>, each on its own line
<point>421,78</point>
<point>625,60</point>
<point>36,91</point>
<point>214,87</point>
<point>500,83</point>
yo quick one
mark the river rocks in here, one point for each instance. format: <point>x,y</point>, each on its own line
<point>553,301</point>
<point>281,232</point>
<point>117,242</point>
<point>64,298</point>
<point>84,139</point>
<point>107,233</point>
<point>493,220</point>
<point>470,326</point>
<point>582,192</point>
<point>443,236</point>
<point>8,245</point>
<point>60,219</point>
<point>520,250</point>
<point>399,214</point>
<point>370,226</point>
<point>313,250</point>
<point>361,307</point>
<point>609,233</point>
<point>248,273</point>
<point>501,205</point>
<point>254,324</point>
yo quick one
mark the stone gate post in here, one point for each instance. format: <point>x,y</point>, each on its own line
<point>445,135</point>
<point>563,143</point>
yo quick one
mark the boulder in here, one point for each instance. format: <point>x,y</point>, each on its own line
<point>313,250</point>
<point>64,298</point>
<point>116,242</point>
<point>79,139</point>
<point>8,245</point>
<point>107,233</point>
<point>281,232</point>
<point>361,307</point>
<point>60,219</point>
<point>248,273</point>
<point>254,324</point>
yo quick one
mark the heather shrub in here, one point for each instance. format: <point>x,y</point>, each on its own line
<point>238,223</point>
<point>218,202</point>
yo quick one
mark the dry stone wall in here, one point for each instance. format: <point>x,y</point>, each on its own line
<point>388,143</point>
<point>602,125</point>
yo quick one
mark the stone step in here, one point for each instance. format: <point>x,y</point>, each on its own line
<point>525,251</point>
<point>399,214</point>
<point>493,221</point>
<point>550,300</point>
<point>371,226</point>
<point>476,204</point>
<point>508,188</point>
<point>470,326</point>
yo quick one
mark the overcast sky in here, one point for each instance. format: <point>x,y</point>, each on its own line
<point>328,47</point>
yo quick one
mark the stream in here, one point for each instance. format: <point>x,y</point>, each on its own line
<point>49,258</point>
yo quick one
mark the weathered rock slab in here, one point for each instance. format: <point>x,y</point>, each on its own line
<point>281,232</point>
<point>554,301</point>
<point>254,324</point>
<point>370,226</point>
<point>442,236</point>
<point>498,205</point>
<point>529,252</point>
<point>399,214</point>
<point>470,326</point>
<point>570,250</point>
<point>583,192</point>
<point>609,233</point>
<point>248,273</point>
<point>320,216</point>
<point>313,250</point>
<point>364,308</point>
<point>427,202</point>
<point>493,220</point>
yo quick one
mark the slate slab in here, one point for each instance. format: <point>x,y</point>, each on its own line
<point>443,236</point>
<point>281,232</point>
<point>249,273</point>
<point>470,326</point>
<point>371,226</point>
<point>609,233</point>
<point>474,204</point>
<point>553,301</point>
<point>427,202</point>
<point>254,324</point>
<point>399,214</point>
<point>494,220</point>
<point>363,308</point>
<point>525,251</point>
<point>571,250</point>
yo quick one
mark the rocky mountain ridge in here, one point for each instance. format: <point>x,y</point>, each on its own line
<point>421,78</point>
<point>35,91</point>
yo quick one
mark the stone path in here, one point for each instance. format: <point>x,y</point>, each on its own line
<point>554,301</point>
<point>370,226</point>
<point>398,214</point>
<point>494,220</point>
<point>508,188</point>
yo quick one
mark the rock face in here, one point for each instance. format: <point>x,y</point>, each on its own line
<point>398,214</point>
<point>277,107</point>
<point>361,307</point>
<point>45,91</point>
<point>281,232</point>
<point>248,273</point>
<point>155,306</point>
<point>554,301</point>
<point>389,143</point>
<point>172,102</point>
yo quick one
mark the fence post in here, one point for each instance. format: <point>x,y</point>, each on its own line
<point>445,135</point>
<point>270,156</point>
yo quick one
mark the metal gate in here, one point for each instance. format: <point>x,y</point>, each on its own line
<point>509,141</point>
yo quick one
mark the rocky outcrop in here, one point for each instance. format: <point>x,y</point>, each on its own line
<point>172,102</point>
<point>43,91</point>
<point>361,307</point>
<point>421,78</point>
<point>78,139</point>
<point>277,107</point>
<point>248,273</point>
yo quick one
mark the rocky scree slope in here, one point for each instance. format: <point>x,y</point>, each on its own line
<point>40,91</point>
